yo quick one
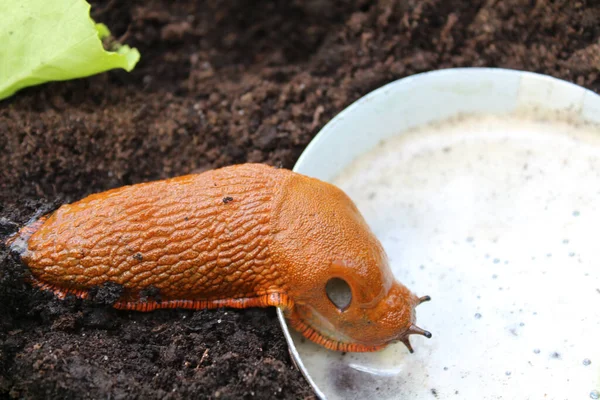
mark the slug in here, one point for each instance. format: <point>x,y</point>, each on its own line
<point>247,235</point>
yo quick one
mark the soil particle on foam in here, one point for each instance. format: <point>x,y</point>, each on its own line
<point>222,82</point>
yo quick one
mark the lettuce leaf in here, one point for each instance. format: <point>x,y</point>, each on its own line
<point>53,40</point>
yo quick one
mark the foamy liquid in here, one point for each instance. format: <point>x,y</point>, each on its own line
<point>498,220</point>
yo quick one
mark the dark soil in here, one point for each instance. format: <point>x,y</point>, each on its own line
<point>222,82</point>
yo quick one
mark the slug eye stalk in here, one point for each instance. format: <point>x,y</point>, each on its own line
<point>414,330</point>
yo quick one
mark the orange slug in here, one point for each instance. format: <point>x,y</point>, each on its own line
<point>247,235</point>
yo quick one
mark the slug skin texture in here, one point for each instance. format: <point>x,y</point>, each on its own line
<point>247,235</point>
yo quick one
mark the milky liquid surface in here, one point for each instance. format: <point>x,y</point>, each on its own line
<point>498,220</point>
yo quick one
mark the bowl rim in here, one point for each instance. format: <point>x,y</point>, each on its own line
<point>476,72</point>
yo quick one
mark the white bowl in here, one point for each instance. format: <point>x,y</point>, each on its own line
<point>485,196</point>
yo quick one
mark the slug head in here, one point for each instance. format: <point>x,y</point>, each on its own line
<point>344,294</point>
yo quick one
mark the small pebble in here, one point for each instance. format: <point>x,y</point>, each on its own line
<point>496,260</point>
<point>507,373</point>
<point>477,315</point>
<point>536,351</point>
<point>594,394</point>
<point>576,213</point>
<point>587,362</point>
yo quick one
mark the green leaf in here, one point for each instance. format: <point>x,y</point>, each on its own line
<point>53,40</point>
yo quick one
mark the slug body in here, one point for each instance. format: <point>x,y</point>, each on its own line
<point>241,236</point>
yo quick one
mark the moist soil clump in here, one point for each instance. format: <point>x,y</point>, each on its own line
<point>222,82</point>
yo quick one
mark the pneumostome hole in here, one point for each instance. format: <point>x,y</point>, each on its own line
<point>339,293</point>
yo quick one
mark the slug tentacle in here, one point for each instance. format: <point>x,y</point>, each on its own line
<point>406,342</point>
<point>414,330</point>
<point>242,236</point>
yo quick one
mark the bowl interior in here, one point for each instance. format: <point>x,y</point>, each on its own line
<point>482,186</point>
